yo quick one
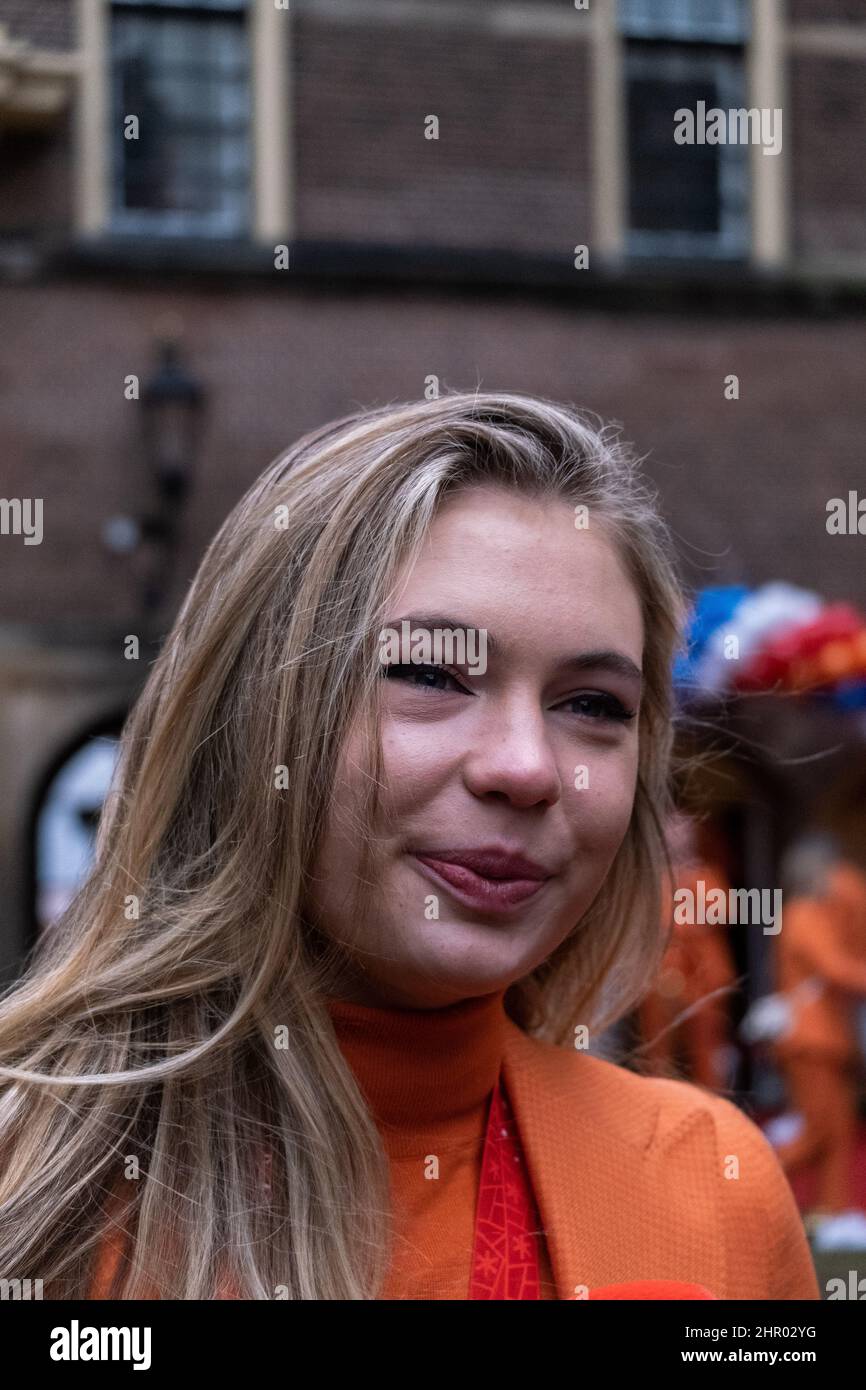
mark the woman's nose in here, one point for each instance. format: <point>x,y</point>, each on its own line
<point>513,757</point>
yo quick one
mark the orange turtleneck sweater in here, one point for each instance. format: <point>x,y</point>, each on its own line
<point>428,1077</point>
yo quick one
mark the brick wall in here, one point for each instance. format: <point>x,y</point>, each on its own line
<point>828,135</point>
<point>45,23</point>
<point>510,167</point>
<point>745,483</point>
<point>826,12</point>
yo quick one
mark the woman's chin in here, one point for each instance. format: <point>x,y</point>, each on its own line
<point>466,962</point>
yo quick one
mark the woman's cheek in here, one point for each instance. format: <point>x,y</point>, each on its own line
<point>415,758</point>
<point>601,800</point>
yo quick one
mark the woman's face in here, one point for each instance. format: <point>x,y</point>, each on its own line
<point>530,759</point>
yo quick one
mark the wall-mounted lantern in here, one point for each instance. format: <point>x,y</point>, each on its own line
<point>171,415</point>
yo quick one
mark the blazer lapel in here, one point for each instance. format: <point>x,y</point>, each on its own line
<point>621,1195</point>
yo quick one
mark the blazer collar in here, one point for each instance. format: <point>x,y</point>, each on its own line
<point>620,1177</point>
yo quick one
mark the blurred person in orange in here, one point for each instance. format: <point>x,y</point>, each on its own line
<point>821,972</point>
<point>686,1015</point>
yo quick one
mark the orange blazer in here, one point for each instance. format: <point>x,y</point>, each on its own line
<point>642,1178</point>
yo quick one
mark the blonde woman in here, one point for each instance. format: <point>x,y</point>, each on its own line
<point>319,1024</point>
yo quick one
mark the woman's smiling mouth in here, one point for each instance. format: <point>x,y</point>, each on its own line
<point>490,880</point>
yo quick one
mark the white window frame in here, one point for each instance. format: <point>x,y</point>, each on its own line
<point>270,132</point>
<point>766,64</point>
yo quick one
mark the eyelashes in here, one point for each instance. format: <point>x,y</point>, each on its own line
<point>598,706</point>
<point>406,671</point>
<point>609,706</point>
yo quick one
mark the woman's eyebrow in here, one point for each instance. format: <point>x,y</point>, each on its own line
<point>429,621</point>
<point>615,662</point>
<point>604,659</point>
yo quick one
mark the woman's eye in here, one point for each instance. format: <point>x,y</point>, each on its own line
<point>595,704</point>
<point>424,676</point>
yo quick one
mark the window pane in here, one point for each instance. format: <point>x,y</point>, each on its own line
<point>186,77</point>
<point>672,187</point>
<point>686,198</point>
<point>716,21</point>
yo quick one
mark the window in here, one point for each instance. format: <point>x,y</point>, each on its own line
<point>183,69</point>
<point>679,53</point>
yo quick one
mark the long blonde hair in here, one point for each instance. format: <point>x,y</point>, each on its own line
<point>143,1037</point>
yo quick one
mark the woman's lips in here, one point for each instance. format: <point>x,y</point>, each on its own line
<point>475,889</point>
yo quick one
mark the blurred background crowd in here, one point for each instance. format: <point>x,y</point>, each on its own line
<point>224,223</point>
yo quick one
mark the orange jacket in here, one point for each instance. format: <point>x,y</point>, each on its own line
<point>643,1178</point>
